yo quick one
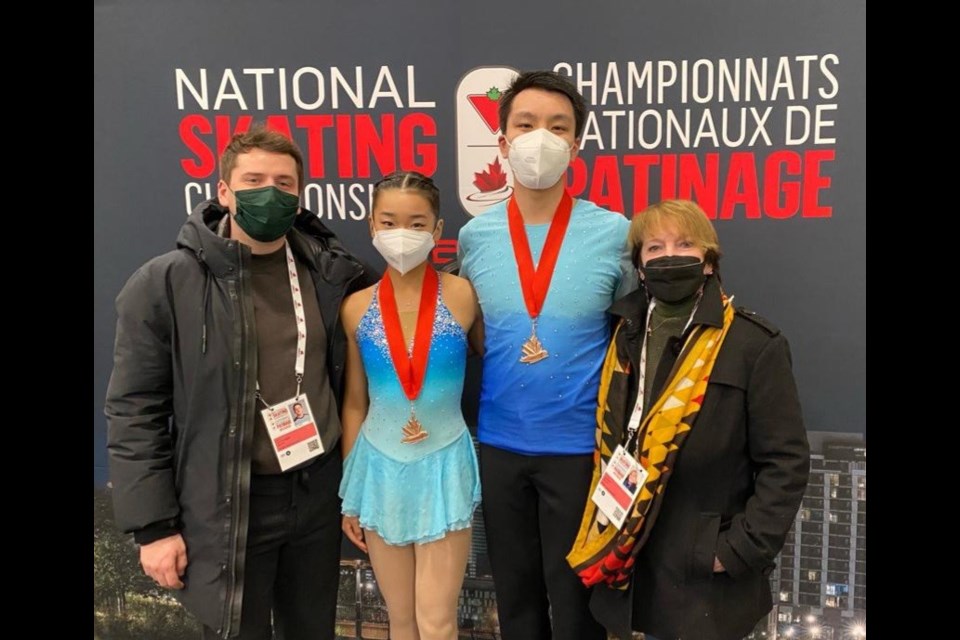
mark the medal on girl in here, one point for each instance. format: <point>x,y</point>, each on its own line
<point>411,367</point>
<point>536,282</point>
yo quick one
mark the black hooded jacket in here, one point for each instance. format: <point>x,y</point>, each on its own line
<point>180,403</point>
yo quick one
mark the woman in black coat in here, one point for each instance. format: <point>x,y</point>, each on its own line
<point>702,394</point>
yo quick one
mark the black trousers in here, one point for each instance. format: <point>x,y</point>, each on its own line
<point>292,566</point>
<point>532,507</point>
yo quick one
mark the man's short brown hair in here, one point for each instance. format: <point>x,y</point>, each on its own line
<point>259,137</point>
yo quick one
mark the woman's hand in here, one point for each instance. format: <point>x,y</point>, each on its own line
<point>351,527</point>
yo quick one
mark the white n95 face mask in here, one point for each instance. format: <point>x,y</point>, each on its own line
<point>538,158</point>
<point>403,249</point>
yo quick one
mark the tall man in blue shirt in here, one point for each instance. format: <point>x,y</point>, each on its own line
<point>545,268</point>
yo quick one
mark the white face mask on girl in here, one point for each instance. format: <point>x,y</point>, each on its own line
<point>403,249</point>
<point>538,158</point>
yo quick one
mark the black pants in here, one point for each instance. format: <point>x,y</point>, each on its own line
<point>532,507</point>
<point>292,566</point>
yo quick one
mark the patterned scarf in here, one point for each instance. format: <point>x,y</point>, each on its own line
<point>602,553</point>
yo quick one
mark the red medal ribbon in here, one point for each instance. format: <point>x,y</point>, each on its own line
<point>536,283</point>
<point>410,371</point>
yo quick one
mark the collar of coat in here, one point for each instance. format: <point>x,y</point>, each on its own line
<point>632,308</point>
<point>308,239</point>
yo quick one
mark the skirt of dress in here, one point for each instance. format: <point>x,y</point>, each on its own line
<point>412,502</point>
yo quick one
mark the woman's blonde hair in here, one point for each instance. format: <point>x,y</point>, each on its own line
<point>689,220</point>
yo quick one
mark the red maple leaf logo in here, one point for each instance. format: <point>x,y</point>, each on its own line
<point>487,105</point>
<point>492,179</point>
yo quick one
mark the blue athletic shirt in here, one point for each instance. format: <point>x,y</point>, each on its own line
<point>549,407</point>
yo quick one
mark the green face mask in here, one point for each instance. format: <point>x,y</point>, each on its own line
<point>265,213</point>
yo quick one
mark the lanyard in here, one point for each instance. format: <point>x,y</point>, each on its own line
<point>535,281</point>
<point>633,425</point>
<point>411,368</point>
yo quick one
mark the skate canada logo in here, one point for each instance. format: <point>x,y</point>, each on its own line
<point>483,177</point>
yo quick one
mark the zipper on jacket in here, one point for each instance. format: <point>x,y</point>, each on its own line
<point>240,475</point>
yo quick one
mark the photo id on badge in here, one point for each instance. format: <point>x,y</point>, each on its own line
<point>619,486</point>
<point>293,431</point>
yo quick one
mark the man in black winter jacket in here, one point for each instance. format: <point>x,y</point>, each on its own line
<point>233,507</point>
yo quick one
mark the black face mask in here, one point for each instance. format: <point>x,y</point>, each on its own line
<point>673,279</point>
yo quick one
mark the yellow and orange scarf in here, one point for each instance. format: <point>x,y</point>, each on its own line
<point>602,553</point>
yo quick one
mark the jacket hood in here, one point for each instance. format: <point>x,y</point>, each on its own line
<point>199,235</point>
